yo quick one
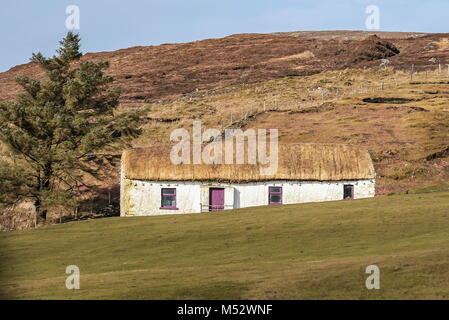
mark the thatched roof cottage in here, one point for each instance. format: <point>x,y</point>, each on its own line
<point>152,185</point>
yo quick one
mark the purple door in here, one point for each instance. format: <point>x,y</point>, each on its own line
<point>216,199</point>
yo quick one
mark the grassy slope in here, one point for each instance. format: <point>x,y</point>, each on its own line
<point>307,251</point>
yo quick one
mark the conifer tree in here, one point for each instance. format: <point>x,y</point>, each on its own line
<point>61,129</point>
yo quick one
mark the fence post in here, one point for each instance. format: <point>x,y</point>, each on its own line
<point>411,72</point>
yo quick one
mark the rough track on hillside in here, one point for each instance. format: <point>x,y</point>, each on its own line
<point>154,73</point>
<point>352,34</point>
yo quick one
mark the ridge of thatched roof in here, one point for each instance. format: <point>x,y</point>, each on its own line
<point>304,161</point>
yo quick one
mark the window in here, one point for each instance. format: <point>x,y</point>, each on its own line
<point>274,195</point>
<point>168,198</point>
<point>348,192</point>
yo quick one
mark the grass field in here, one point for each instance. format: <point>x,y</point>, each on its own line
<point>309,251</point>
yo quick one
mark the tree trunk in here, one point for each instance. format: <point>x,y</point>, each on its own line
<point>45,186</point>
<point>41,215</point>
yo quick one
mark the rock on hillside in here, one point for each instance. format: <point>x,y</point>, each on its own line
<point>373,48</point>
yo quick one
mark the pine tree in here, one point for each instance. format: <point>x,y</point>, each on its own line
<point>61,129</point>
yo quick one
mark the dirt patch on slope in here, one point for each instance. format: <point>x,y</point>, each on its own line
<point>387,100</point>
<point>374,48</point>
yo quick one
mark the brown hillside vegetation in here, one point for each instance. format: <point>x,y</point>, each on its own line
<point>153,73</point>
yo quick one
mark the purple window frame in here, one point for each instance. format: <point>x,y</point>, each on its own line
<point>275,193</point>
<point>352,191</point>
<point>168,195</point>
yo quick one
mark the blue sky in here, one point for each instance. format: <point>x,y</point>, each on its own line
<point>32,25</point>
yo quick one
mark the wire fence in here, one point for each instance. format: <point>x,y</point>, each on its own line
<point>319,96</point>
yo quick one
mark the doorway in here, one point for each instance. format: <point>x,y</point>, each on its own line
<point>216,199</point>
<point>348,192</point>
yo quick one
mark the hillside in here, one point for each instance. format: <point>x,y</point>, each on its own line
<point>403,123</point>
<point>315,87</point>
<point>153,73</point>
<point>309,251</point>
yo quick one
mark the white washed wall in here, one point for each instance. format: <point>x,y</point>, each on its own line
<point>144,197</point>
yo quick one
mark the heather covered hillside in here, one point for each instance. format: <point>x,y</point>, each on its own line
<point>153,73</point>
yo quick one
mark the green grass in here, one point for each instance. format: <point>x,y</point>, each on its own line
<point>309,251</point>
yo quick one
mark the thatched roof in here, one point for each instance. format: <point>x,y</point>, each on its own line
<point>317,162</point>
